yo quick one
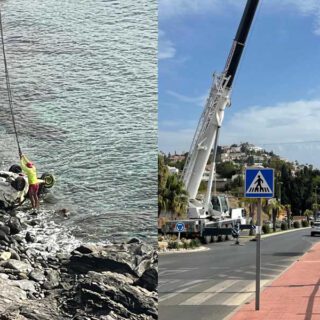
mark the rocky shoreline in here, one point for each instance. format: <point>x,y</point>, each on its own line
<point>93,281</point>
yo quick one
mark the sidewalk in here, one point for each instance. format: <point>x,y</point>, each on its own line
<point>294,295</point>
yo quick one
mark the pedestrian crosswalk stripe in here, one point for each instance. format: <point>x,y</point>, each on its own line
<point>240,297</point>
<point>173,294</point>
<point>259,185</point>
<point>209,293</point>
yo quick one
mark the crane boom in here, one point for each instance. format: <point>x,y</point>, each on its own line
<point>206,135</point>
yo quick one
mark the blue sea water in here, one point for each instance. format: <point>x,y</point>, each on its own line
<point>84,81</point>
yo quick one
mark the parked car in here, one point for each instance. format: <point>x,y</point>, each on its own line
<point>315,229</point>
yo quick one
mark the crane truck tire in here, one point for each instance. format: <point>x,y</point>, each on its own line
<point>206,239</point>
<point>49,180</point>
<point>19,183</point>
<point>15,168</point>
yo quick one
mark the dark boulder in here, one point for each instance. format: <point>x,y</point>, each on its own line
<point>15,225</point>
<point>149,279</point>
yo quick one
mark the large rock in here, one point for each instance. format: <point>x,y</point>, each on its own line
<point>4,237</point>
<point>10,295</point>
<point>25,285</point>
<point>4,228</point>
<point>17,265</point>
<point>14,225</point>
<point>149,279</point>
<point>107,291</point>
<point>132,258</point>
<point>37,275</point>
<point>53,279</point>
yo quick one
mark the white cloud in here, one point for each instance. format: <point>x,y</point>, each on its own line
<point>166,49</point>
<point>198,101</point>
<point>170,8</point>
<point>285,122</point>
<point>290,129</point>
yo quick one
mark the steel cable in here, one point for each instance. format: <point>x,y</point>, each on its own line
<point>8,86</point>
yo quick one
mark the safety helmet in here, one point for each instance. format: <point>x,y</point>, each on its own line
<point>29,165</point>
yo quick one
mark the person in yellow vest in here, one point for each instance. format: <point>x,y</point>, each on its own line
<point>30,170</point>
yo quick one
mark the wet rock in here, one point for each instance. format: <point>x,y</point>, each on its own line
<point>86,248</point>
<point>37,275</point>
<point>5,229</point>
<point>14,254</point>
<point>107,291</point>
<point>149,279</point>
<point>134,240</point>
<point>10,295</point>
<point>53,279</point>
<point>15,225</point>
<point>4,237</point>
<point>25,285</point>
<point>132,259</point>
<point>6,255</point>
<point>30,237</point>
<point>17,265</point>
<point>64,212</point>
<point>23,276</point>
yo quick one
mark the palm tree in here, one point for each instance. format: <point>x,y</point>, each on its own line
<point>175,196</point>
<point>275,206</point>
<point>172,195</point>
<point>308,213</point>
<point>163,174</point>
<point>252,204</point>
<point>288,210</point>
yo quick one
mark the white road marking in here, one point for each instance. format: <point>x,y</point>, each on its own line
<point>209,293</point>
<point>173,294</point>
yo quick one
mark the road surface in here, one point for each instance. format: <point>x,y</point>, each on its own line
<point>211,284</point>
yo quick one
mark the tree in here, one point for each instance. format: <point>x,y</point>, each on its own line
<point>288,210</point>
<point>172,195</point>
<point>226,169</point>
<point>275,206</point>
<point>308,213</point>
<point>163,174</point>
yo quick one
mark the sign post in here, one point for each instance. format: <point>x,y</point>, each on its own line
<point>258,255</point>
<point>259,183</point>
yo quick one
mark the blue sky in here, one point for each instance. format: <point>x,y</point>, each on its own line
<point>276,93</point>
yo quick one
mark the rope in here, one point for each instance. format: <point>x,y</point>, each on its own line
<point>9,87</point>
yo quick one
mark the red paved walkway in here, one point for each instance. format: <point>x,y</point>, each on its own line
<point>294,295</point>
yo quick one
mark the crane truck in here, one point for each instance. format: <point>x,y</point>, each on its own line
<point>212,216</point>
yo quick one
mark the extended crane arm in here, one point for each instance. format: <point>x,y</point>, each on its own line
<point>212,116</point>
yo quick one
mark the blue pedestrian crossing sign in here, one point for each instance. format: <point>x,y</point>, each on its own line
<point>259,183</point>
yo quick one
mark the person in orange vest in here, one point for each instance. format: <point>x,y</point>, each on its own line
<point>30,170</point>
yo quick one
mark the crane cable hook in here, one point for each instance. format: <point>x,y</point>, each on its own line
<point>9,87</point>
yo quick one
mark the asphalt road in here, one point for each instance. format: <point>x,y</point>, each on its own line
<point>211,284</point>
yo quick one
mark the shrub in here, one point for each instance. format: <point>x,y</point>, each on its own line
<point>305,223</point>
<point>195,243</point>
<point>296,224</point>
<point>185,245</point>
<point>284,226</point>
<point>266,228</point>
<point>173,245</point>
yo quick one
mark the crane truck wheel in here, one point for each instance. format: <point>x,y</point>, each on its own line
<point>15,168</point>
<point>206,239</point>
<point>19,184</point>
<point>48,180</point>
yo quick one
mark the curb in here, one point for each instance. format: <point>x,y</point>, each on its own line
<point>200,249</point>
<point>280,233</point>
